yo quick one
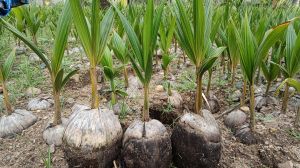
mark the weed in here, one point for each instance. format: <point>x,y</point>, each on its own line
<point>47,159</point>
<point>186,82</point>
<point>124,111</point>
<point>294,133</point>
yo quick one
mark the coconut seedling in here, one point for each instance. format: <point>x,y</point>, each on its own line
<point>111,73</point>
<point>19,20</point>
<point>296,84</point>
<point>194,37</point>
<point>215,26</point>
<point>54,131</point>
<point>92,137</point>
<point>147,139</point>
<point>119,47</point>
<point>253,53</point>
<point>14,121</point>
<point>292,61</point>
<point>270,72</point>
<point>33,20</point>
<point>233,50</point>
<point>166,33</point>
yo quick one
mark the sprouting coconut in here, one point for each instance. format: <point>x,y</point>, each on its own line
<point>54,130</point>
<point>14,121</point>
<point>146,143</point>
<point>196,139</point>
<point>92,137</point>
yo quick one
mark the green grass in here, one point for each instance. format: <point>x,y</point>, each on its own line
<point>25,74</point>
<point>186,82</point>
<point>265,118</point>
<point>124,111</point>
<point>294,133</point>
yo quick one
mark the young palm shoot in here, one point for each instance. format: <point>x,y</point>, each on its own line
<point>233,50</point>
<point>19,20</point>
<point>165,62</point>
<point>4,72</point>
<point>14,121</point>
<point>136,147</point>
<point>253,53</point>
<point>54,66</point>
<point>296,84</point>
<point>194,37</point>
<point>292,61</point>
<point>111,73</point>
<point>166,34</point>
<point>92,132</point>
<point>270,70</point>
<point>120,50</point>
<point>33,19</point>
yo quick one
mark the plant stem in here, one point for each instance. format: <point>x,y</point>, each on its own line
<point>285,99</point>
<point>169,89</point>
<point>126,76</point>
<point>146,103</point>
<point>113,95</point>
<point>7,104</point>
<point>233,69</point>
<point>297,120</point>
<point>34,39</point>
<point>57,114</point>
<point>258,77</point>
<point>198,104</point>
<point>156,58</point>
<point>223,64</point>
<point>95,97</point>
<point>175,42</point>
<point>165,74</point>
<point>243,98</point>
<point>252,107</point>
<point>209,82</point>
<point>268,88</point>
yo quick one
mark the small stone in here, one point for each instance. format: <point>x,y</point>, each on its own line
<point>117,108</point>
<point>235,119</point>
<point>20,50</point>
<point>288,164</point>
<point>31,91</point>
<point>33,57</point>
<point>272,130</point>
<point>259,90</point>
<point>159,88</point>
<point>239,85</point>
<point>296,165</point>
<point>176,99</point>
<point>245,109</point>
<point>236,96</point>
<point>76,78</point>
<point>104,100</point>
<point>39,104</point>
<point>52,148</point>
<point>70,100</point>
<point>291,90</point>
<point>74,50</point>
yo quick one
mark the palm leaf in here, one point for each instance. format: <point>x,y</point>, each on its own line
<point>28,42</point>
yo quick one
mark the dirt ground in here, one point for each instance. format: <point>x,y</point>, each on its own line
<point>279,141</point>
